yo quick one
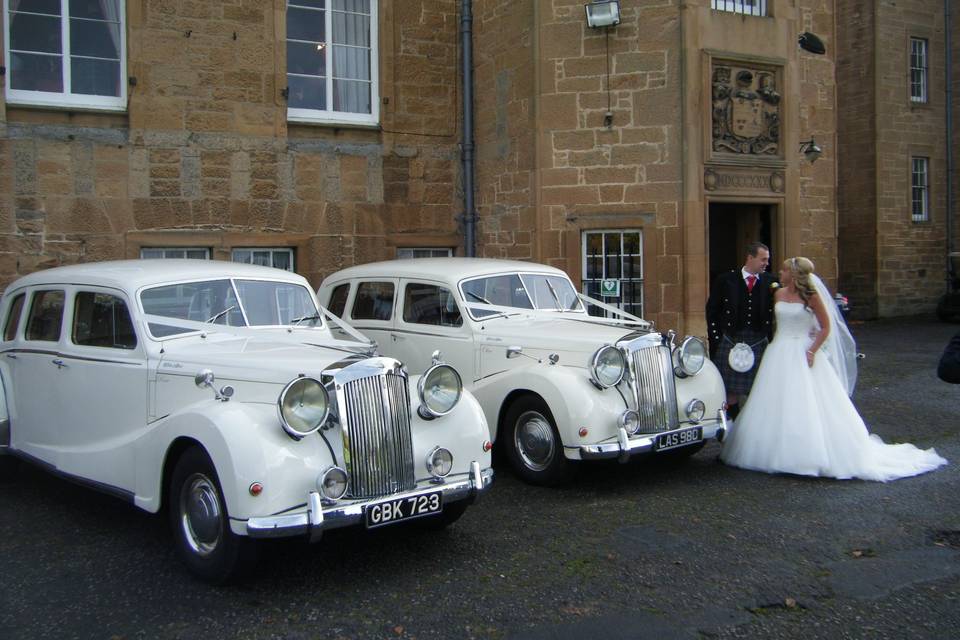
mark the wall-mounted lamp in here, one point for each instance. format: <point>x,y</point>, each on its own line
<point>813,44</point>
<point>602,13</point>
<point>810,150</point>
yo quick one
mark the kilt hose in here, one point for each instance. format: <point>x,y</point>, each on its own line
<point>734,381</point>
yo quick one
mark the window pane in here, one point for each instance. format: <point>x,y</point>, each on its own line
<point>307,93</point>
<point>102,320</point>
<point>351,96</point>
<point>197,254</point>
<point>46,316</point>
<point>374,301</point>
<point>95,39</point>
<point>429,304</point>
<point>338,300</point>
<point>350,28</point>
<point>36,73</point>
<point>95,77</point>
<point>317,4</point>
<point>351,63</point>
<point>35,33</point>
<point>360,6</point>
<point>95,9</point>
<point>242,256</point>
<point>305,24</point>
<point>283,260</point>
<point>37,6</point>
<point>304,58</point>
<point>13,318</point>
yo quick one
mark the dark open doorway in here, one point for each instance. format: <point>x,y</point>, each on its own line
<point>734,225</point>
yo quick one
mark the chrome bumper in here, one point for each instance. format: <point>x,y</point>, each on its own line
<point>627,446</point>
<point>318,519</point>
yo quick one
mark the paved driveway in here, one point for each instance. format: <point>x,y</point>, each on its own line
<point>629,551</point>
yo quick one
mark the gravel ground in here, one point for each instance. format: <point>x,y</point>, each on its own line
<point>627,551</point>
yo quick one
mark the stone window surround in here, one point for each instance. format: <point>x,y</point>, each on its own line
<point>923,48</point>
<point>63,100</point>
<point>920,33</point>
<point>331,117</point>
<point>924,154</point>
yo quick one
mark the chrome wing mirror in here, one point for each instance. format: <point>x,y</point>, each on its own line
<point>205,379</point>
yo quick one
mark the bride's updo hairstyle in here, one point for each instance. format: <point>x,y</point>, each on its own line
<point>801,268</point>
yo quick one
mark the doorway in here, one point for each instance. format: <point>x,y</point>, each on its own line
<point>733,226</point>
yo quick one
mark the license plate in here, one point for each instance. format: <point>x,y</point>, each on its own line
<point>400,509</point>
<point>680,438</point>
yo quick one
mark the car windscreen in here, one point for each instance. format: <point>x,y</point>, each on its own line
<point>502,291</point>
<point>236,303</point>
<point>554,293</point>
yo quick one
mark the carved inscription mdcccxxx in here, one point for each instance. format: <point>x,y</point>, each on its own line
<point>742,181</point>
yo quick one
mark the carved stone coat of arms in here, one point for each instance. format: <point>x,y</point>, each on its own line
<point>746,111</point>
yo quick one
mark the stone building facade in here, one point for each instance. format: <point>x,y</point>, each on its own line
<point>892,95</point>
<point>680,125</point>
<point>650,152</point>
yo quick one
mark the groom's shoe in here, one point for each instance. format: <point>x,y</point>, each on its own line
<point>733,411</point>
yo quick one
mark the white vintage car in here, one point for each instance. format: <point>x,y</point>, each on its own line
<point>217,390</point>
<point>556,383</point>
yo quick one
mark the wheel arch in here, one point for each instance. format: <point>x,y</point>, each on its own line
<point>172,456</point>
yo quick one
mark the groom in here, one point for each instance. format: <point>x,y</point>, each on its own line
<point>740,312</point>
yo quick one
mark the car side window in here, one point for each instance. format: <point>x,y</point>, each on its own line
<point>102,320</point>
<point>430,304</point>
<point>374,301</point>
<point>338,299</point>
<point>13,318</point>
<point>46,316</point>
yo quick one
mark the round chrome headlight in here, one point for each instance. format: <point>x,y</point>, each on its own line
<point>630,420</point>
<point>440,388</point>
<point>691,356</point>
<point>333,483</point>
<point>439,462</point>
<point>607,366</point>
<point>695,410</point>
<point>304,405</point>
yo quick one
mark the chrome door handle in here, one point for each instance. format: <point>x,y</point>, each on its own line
<point>12,356</point>
<point>60,363</point>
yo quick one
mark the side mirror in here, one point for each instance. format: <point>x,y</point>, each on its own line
<point>205,379</point>
<point>514,352</point>
<point>436,357</point>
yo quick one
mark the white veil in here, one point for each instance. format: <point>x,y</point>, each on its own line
<point>839,347</point>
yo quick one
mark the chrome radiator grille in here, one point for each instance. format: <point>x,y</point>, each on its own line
<point>378,448</point>
<point>655,390</point>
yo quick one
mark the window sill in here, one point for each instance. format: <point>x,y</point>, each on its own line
<point>335,124</point>
<point>64,107</point>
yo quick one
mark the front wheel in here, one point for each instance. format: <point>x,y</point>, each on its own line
<point>533,444</point>
<point>201,527</point>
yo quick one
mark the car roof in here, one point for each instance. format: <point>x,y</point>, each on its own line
<point>131,275</point>
<point>445,269</point>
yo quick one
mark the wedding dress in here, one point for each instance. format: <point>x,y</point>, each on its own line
<point>798,419</point>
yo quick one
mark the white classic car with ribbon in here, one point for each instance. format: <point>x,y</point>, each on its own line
<point>218,390</point>
<point>557,384</point>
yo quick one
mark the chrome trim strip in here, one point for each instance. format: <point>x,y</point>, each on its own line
<point>314,521</point>
<point>643,443</point>
<point>109,489</point>
<point>60,354</point>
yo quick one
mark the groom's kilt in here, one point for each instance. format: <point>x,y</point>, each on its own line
<point>736,382</point>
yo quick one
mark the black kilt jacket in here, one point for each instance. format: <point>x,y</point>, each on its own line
<point>737,315</point>
<point>732,310</point>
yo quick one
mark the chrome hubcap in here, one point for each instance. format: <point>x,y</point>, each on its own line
<point>200,515</point>
<point>534,440</point>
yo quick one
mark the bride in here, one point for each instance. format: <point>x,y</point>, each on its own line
<point>798,418</point>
